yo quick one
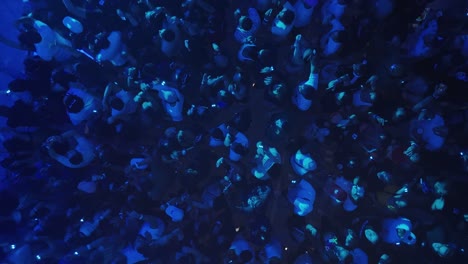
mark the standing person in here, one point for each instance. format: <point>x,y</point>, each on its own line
<point>70,149</point>
<point>47,43</point>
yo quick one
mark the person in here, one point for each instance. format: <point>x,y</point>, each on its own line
<point>398,230</point>
<point>47,43</point>
<point>304,10</point>
<point>248,25</point>
<point>283,22</point>
<point>81,106</point>
<point>268,158</point>
<point>70,149</point>
<point>172,100</point>
<point>305,92</point>
<point>302,196</point>
<point>113,50</point>
<point>302,162</point>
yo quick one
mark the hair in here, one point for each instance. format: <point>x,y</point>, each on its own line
<point>245,23</point>
<point>239,149</point>
<point>76,158</point>
<point>100,42</point>
<point>168,35</point>
<point>73,103</point>
<point>307,91</point>
<point>287,17</point>
<point>117,103</point>
<point>60,147</point>
<point>275,170</point>
<point>217,133</point>
<point>29,38</point>
<point>250,52</point>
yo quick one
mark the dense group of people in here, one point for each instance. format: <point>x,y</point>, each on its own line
<point>217,131</point>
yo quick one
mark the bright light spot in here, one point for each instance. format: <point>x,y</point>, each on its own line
<point>76,253</point>
<point>81,220</point>
<point>286,248</point>
<point>38,257</point>
<point>237,229</point>
<point>8,91</point>
<point>13,246</point>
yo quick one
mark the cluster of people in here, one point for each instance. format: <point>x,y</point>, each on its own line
<point>217,131</point>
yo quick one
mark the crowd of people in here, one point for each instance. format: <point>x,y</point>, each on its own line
<point>218,131</point>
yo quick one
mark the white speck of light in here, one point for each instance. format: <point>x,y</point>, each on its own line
<point>13,246</point>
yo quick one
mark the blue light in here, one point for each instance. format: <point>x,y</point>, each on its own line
<point>76,253</point>
<point>81,220</point>
<point>8,91</point>
<point>38,257</point>
<point>13,246</point>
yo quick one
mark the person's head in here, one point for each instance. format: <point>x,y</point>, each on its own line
<point>286,16</point>
<point>58,145</point>
<point>339,36</point>
<point>167,35</point>
<point>245,23</point>
<point>29,39</point>
<point>443,250</point>
<point>117,104</point>
<point>217,133</point>
<point>238,148</point>
<point>73,103</point>
<point>75,157</point>
<point>250,52</point>
<point>307,91</point>
<point>99,43</point>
